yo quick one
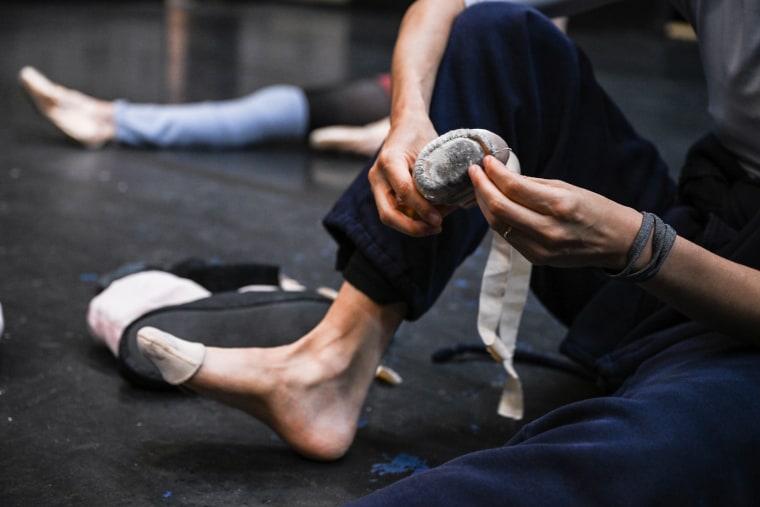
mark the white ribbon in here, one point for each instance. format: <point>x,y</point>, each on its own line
<point>503,293</point>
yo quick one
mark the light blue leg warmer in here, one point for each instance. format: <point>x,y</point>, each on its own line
<point>274,113</point>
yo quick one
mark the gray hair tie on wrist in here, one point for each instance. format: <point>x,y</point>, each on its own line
<point>662,242</point>
<point>440,171</point>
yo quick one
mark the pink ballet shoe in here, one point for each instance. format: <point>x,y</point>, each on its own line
<point>82,118</point>
<point>177,360</point>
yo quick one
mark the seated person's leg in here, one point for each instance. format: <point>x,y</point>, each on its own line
<point>279,113</point>
<point>682,431</point>
<point>343,350</point>
<point>354,103</point>
<point>276,113</point>
<point>508,69</point>
<point>309,392</point>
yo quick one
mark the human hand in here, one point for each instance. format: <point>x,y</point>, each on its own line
<point>398,202</point>
<point>552,222</point>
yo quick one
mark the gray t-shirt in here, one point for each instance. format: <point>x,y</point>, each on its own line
<point>729,40</point>
<point>729,35</point>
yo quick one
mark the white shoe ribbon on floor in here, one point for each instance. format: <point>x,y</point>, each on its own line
<point>503,293</point>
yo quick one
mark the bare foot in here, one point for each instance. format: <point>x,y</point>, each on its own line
<point>364,140</point>
<point>309,392</point>
<point>79,116</point>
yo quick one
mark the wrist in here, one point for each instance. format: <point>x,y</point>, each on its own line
<point>649,249</point>
<point>646,254</point>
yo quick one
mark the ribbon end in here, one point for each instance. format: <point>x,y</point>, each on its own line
<point>511,403</point>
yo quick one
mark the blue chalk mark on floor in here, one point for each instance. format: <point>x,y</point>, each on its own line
<point>400,464</point>
<point>88,277</point>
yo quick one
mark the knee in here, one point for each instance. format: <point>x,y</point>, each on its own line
<point>505,24</point>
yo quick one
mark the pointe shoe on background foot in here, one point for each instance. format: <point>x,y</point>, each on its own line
<point>177,360</point>
<point>87,120</point>
<point>364,140</point>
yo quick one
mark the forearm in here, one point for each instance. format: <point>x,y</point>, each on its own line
<point>419,48</point>
<point>557,224</point>
<point>705,287</point>
<point>710,289</point>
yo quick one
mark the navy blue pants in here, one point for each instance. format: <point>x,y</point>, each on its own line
<point>678,425</point>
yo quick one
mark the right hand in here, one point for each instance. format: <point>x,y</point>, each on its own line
<point>552,222</point>
<point>398,202</point>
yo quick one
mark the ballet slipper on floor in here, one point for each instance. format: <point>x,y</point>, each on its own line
<point>127,298</point>
<point>222,320</point>
<point>364,140</point>
<point>86,120</point>
<point>176,359</point>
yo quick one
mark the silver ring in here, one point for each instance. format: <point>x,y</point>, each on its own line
<point>506,233</point>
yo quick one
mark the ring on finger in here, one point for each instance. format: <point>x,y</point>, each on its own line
<point>506,233</point>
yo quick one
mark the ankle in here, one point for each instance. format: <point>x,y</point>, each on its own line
<point>354,333</point>
<point>354,314</point>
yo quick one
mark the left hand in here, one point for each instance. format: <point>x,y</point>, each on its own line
<point>552,222</point>
<point>399,204</point>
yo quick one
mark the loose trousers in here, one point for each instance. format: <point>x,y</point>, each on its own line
<point>678,422</point>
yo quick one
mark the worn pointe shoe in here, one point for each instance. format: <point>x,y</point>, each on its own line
<point>440,171</point>
<point>364,140</point>
<point>176,359</point>
<point>86,120</point>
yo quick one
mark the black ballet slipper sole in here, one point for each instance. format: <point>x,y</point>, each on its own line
<point>227,319</point>
<point>213,276</point>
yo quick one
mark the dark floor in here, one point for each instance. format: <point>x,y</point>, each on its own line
<point>73,432</point>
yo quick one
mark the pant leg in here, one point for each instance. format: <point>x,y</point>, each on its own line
<point>275,113</point>
<point>508,69</point>
<point>681,431</point>
<point>356,102</point>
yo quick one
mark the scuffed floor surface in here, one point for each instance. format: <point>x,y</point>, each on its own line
<point>72,432</point>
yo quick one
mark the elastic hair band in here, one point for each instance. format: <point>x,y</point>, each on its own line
<point>662,242</point>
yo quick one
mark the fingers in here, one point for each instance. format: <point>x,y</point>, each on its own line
<point>502,212</point>
<point>399,204</point>
<point>553,222</point>
<point>537,194</point>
